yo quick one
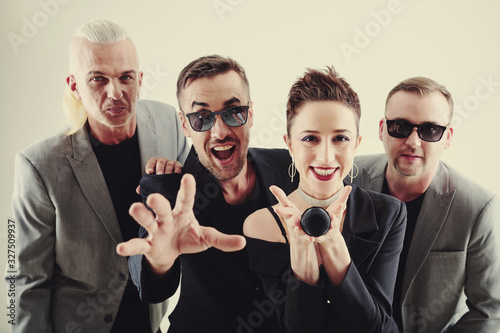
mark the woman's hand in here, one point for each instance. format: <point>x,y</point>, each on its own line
<point>333,251</point>
<point>303,256</point>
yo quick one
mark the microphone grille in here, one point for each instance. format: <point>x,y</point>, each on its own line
<point>315,221</point>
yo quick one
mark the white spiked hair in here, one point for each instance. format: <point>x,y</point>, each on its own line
<point>102,32</point>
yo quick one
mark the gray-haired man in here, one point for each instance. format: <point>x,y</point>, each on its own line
<point>72,193</point>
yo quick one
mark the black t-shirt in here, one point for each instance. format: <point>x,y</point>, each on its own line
<point>121,167</point>
<point>412,209</point>
<point>219,293</point>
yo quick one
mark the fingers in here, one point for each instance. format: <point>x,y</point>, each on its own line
<point>143,216</point>
<point>161,206</point>
<point>138,189</point>
<point>177,167</point>
<point>280,196</point>
<point>162,165</point>
<point>337,208</point>
<point>133,247</point>
<point>223,242</point>
<point>186,195</point>
<point>151,165</point>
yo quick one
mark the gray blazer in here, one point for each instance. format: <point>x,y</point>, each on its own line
<point>451,281</point>
<point>69,276</point>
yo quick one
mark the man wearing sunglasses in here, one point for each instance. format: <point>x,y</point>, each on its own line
<point>202,236</point>
<point>449,270</point>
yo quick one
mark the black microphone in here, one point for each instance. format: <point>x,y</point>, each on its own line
<point>315,221</point>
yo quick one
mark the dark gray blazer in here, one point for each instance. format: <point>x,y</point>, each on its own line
<point>452,277</point>
<point>70,277</point>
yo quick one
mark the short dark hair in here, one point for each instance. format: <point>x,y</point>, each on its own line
<point>423,86</point>
<point>324,85</point>
<point>209,66</point>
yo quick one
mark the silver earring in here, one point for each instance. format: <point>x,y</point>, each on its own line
<point>351,173</point>
<point>292,170</point>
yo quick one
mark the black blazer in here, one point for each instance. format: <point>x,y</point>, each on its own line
<point>218,290</point>
<point>373,230</point>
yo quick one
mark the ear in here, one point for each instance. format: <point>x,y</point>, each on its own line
<point>381,129</point>
<point>250,115</point>
<point>184,123</point>
<point>288,143</point>
<point>139,78</point>
<point>357,144</point>
<point>449,137</point>
<point>71,82</point>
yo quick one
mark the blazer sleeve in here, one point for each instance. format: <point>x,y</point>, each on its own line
<point>482,282</point>
<point>361,303</point>
<point>34,218</point>
<point>153,290</point>
<point>183,147</point>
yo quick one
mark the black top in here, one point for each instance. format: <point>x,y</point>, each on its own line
<point>121,167</point>
<point>373,231</point>
<point>219,293</point>
<point>280,225</point>
<point>413,209</point>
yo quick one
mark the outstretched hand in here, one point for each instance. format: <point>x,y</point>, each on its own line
<point>173,232</point>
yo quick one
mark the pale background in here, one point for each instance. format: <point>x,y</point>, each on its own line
<point>455,43</point>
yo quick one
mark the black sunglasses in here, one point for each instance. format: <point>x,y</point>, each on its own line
<point>233,116</point>
<point>428,132</point>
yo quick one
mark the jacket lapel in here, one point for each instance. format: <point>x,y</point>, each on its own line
<point>146,134</point>
<point>433,213</point>
<point>357,234</point>
<point>373,177</point>
<point>88,174</point>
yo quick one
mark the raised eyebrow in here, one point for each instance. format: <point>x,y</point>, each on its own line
<point>90,73</point>
<point>195,103</point>
<point>128,72</point>
<point>231,101</point>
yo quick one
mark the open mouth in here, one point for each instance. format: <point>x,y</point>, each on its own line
<point>324,173</point>
<point>223,152</point>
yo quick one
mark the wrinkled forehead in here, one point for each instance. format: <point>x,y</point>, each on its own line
<point>84,52</point>
<point>214,92</point>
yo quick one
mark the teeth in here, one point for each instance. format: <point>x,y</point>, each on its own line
<point>324,172</point>
<point>223,148</point>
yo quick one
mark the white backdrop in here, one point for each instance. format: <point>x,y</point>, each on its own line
<point>373,44</point>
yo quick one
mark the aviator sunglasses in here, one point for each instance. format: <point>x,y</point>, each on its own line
<point>428,132</point>
<point>233,116</point>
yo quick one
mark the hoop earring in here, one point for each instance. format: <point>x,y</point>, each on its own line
<point>292,170</point>
<point>351,173</point>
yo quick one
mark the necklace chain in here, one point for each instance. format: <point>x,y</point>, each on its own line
<point>316,202</point>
